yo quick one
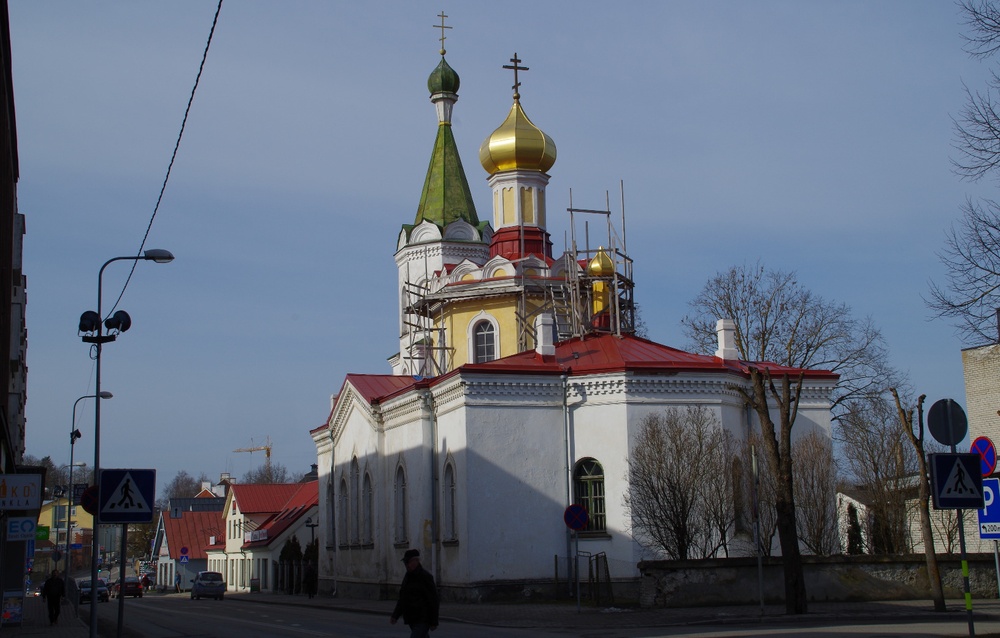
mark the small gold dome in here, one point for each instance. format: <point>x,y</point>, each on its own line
<point>601,264</point>
<point>517,144</point>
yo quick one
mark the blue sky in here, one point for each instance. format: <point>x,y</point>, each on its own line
<point>810,136</point>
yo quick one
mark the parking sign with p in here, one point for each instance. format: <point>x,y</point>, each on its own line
<point>989,516</point>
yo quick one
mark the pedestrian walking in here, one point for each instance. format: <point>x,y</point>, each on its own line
<point>52,592</point>
<point>177,582</point>
<point>309,579</point>
<point>418,598</point>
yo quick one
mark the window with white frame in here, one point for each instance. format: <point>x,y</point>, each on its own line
<point>588,487</point>
<point>484,342</point>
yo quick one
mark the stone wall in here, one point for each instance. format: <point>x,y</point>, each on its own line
<point>737,581</point>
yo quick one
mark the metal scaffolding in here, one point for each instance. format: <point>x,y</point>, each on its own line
<point>566,292</point>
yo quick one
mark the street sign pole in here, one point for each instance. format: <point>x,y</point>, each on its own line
<point>948,425</point>
<point>996,563</point>
<point>962,426</point>
<point>121,579</point>
<point>576,566</point>
<point>576,518</point>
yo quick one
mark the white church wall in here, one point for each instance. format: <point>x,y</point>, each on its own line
<point>515,479</point>
<point>358,438</point>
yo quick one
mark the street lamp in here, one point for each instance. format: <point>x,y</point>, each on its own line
<point>90,325</point>
<point>312,527</point>
<point>74,434</point>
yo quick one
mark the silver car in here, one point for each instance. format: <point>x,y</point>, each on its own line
<point>208,585</point>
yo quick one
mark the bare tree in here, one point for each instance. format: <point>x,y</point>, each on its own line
<point>269,473</point>
<point>971,292</point>
<point>718,504</point>
<point>183,485</point>
<point>882,464</point>
<point>914,431</point>
<point>816,487</point>
<point>669,473</point>
<point>758,495</point>
<point>945,526</point>
<point>971,257</point>
<point>779,321</point>
<point>977,128</point>
<point>140,540</point>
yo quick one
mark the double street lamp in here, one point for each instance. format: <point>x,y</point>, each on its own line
<point>91,324</point>
<point>74,434</point>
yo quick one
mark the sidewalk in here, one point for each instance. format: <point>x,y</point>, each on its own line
<point>565,615</point>
<point>557,615</point>
<point>35,622</point>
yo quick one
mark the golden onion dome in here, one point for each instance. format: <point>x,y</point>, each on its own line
<point>601,264</point>
<point>517,145</point>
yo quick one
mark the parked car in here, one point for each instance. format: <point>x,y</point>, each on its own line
<point>132,587</point>
<point>83,586</point>
<point>209,585</point>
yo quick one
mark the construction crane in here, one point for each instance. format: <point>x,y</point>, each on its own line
<point>265,448</point>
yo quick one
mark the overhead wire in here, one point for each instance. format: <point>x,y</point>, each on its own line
<point>173,157</point>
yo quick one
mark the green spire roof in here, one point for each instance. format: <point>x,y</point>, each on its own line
<point>446,196</point>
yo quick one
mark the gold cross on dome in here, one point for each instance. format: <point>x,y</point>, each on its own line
<point>442,27</point>
<point>516,67</point>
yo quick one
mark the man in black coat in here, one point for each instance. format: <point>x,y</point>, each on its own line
<point>418,599</point>
<point>52,592</point>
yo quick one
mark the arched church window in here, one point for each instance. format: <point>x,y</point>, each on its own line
<point>355,501</point>
<point>450,524</point>
<point>331,504</point>
<point>484,340</point>
<point>344,502</point>
<point>588,488</point>
<point>399,506</point>
<point>367,499</point>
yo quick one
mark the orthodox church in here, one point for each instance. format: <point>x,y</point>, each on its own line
<point>518,390</point>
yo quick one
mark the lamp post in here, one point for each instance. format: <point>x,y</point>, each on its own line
<point>312,527</point>
<point>91,323</point>
<point>74,434</point>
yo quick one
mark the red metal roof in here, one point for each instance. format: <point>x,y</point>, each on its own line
<point>263,498</point>
<point>304,499</point>
<point>602,353</point>
<point>592,354</point>
<point>376,386</point>
<point>193,531</point>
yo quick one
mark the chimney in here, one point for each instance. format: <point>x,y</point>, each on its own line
<point>544,331</point>
<point>726,330</point>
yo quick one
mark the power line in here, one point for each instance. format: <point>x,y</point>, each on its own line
<point>173,156</point>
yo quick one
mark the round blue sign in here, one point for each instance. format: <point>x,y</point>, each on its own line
<point>576,517</point>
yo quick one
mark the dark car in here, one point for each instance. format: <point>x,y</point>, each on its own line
<point>132,587</point>
<point>84,588</point>
<point>209,585</point>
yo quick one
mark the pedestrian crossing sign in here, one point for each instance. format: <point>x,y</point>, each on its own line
<point>956,481</point>
<point>127,496</point>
